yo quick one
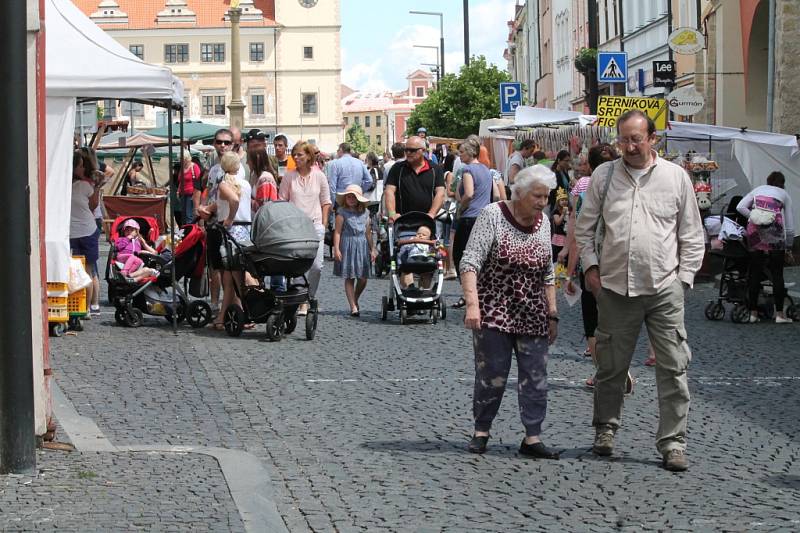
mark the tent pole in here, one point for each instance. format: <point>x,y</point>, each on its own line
<point>171,189</point>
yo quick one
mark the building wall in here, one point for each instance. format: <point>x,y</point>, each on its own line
<point>563,53</point>
<point>378,134</point>
<point>545,96</point>
<point>281,78</point>
<point>580,38</point>
<point>645,39</point>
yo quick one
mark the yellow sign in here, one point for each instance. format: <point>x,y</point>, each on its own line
<point>611,107</point>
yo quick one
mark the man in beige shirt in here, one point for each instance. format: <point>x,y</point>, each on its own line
<point>652,247</point>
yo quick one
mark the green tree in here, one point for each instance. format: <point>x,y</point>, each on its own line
<point>457,106</point>
<point>356,137</point>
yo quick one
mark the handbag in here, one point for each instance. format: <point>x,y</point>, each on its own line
<point>762,217</point>
<point>447,213</point>
<point>600,229</point>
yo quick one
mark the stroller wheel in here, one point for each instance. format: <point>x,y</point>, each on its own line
<point>442,307</point>
<point>715,311</point>
<point>133,316</point>
<point>275,326</point>
<point>290,324</point>
<point>75,323</point>
<point>384,307</point>
<point>119,316</point>
<point>311,325</point>
<point>58,329</point>
<point>198,314</point>
<point>234,320</point>
<point>740,314</point>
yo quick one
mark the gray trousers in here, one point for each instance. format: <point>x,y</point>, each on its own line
<point>619,323</point>
<point>493,352</point>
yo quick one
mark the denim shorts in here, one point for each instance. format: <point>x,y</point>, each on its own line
<point>89,248</point>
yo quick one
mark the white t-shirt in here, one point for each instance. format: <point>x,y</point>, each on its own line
<point>515,159</point>
<point>215,176</point>
<point>243,214</point>
<point>81,218</point>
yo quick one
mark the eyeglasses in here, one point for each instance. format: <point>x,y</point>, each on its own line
<point>411,150</point>
<point>219,141</point>
<point>631,141</point>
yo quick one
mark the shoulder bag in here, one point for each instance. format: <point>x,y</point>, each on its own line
<point>600,229</point>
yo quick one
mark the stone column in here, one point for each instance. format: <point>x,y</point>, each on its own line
<point>236,106</point>
<point>786,112</point>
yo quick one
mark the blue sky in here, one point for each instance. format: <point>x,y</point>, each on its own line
<point>378,38</point>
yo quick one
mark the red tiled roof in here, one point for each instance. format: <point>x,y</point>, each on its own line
<point>210,13</point>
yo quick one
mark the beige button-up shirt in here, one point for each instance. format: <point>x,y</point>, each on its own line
<point>653,230</point>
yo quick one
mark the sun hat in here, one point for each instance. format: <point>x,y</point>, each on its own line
<point>355,190</point>
<point>130,223</point>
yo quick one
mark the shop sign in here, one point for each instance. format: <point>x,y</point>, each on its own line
<point>609,108</point>
<point>685,101</point>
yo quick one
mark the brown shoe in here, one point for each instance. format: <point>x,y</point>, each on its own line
<point>675,461</point>
<point>603,442</point>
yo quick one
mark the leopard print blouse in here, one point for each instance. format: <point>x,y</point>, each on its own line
<point>513,264</point>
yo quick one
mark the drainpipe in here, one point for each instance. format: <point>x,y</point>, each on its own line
<point>771,66</point>
<point>17,424</point>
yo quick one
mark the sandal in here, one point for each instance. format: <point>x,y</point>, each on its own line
<point>459,304</point>
<point>216,326</point>
<point>249,325</point>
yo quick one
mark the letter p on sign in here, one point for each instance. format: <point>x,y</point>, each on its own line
<point>510,97</point>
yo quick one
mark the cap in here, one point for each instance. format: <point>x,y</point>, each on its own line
<point>130,223</point>
<point>256,134</point>
<point>422,130</point>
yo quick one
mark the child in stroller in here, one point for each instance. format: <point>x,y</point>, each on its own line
<point>128,247</point>
<point>413,252</point>
<point>156,294</point>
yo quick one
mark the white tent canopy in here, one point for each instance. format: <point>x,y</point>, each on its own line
<point>82,61</point>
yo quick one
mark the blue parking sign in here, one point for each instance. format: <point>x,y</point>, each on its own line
<point>612,67</point>
<point>510,97</point>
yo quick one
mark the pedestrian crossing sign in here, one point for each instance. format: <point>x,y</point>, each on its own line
<point>612,67</point>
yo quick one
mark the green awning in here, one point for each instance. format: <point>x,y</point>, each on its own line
<point>193,131</point>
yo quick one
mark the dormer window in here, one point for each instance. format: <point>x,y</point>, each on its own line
<point>176,11</point>
<point>108,12</point>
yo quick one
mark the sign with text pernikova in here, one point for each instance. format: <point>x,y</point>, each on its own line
<point>609,108</point>
<point>685,101</point>
<point>686,41</point>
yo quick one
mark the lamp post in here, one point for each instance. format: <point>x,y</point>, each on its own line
<point>236,106</point>
<point>438,62</point>
<point>441,35</point>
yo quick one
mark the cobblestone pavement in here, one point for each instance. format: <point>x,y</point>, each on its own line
<point>92,491</point>
<point>365,428</point>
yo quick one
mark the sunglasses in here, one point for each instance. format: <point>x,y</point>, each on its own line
<point>226,143</point>
<point>411,150</point>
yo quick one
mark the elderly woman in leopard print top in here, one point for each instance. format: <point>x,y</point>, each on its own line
<point>508,282</point>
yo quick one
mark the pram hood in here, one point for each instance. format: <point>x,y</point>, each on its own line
<point>281,230</point>
<point>411,221</point>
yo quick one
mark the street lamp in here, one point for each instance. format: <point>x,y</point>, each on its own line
<point>437,59</point>
<point>441,35</point>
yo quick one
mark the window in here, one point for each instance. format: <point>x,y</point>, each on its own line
<point>309,103</point>
<point>137,50</point>
<point>212,52</point>
<point>256,104</point>
<point>420,92</point>
<point>256,52</point>
<point>308,52</point>
<point>357,120</point>
<point>368,140</point>
<point>366,121</point>
<point>213,104</point>
<point>377,121</point>
<point>132,109</point>
<point>378,140</point>
<point>176,53</point>
<point>346,121</point>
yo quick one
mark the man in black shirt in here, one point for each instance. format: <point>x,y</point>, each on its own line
<point>414,184</point>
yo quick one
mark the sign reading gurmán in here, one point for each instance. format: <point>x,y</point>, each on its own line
<point>611,107</point>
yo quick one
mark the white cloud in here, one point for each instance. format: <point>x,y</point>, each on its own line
<point>364,76</point>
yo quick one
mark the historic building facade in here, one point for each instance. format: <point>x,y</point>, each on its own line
<point>290,59</point>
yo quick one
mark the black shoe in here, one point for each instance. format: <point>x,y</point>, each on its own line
<point>478,444</point>
<point>537,450</point>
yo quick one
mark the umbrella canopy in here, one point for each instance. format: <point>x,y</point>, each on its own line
<point>193,131</point>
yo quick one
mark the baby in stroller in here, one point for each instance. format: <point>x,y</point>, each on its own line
<point>128,246</point>
<point>417,249</point>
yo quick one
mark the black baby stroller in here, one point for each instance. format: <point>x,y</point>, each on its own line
<point>154,295</point>
<point>412,300</point>
<point>735,276</point>
<point>283,243</point>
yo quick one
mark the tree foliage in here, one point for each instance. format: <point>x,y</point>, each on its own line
<point>356,137</point>
<point>457,106</point>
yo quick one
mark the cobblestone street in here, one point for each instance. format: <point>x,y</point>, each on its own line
<point>365,429</point>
